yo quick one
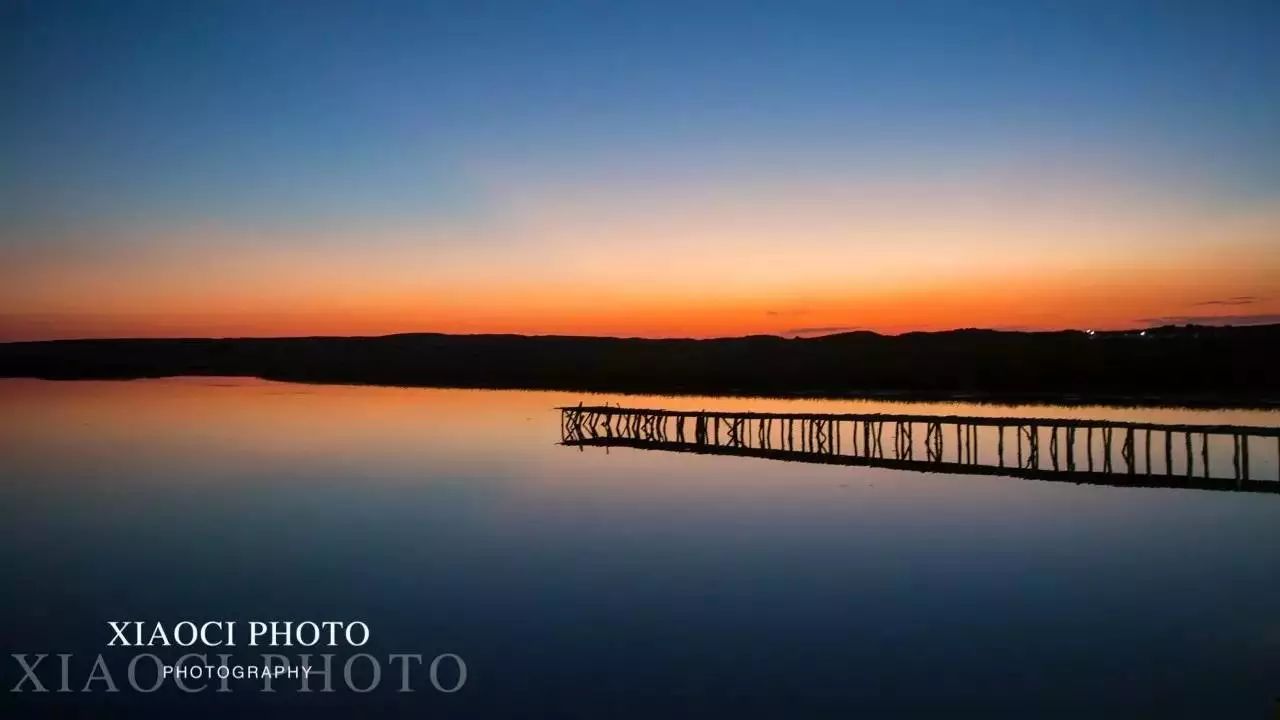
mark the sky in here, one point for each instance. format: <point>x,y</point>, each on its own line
<point>683,169</point>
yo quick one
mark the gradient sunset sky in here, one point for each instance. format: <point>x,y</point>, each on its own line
<point>648,168</point>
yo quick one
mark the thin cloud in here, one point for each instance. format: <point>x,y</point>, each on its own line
<point>1237,300</point>
<point>1218,320</point>
<point>820,330</point>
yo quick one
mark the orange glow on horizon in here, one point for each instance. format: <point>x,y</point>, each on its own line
<point>798,258</point>
<point>1063,302</point>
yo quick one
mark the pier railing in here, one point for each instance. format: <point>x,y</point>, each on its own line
<point>1215,457</point>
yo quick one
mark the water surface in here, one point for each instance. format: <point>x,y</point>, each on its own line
<point>585,582</point>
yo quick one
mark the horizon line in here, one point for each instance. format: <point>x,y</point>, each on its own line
<point>797,336</point>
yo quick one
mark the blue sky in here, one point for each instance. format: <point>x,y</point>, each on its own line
<point>127,119</point>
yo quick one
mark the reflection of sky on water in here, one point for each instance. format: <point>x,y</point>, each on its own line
<point>591,582</point>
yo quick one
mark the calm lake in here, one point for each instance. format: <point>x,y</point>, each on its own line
<point>609,582</point>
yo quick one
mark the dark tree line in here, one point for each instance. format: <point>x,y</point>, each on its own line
<point>1195,364</point>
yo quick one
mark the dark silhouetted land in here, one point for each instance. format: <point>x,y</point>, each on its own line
<point>1182,365</point>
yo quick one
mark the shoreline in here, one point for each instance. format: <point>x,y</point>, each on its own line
<point>1024,399</point>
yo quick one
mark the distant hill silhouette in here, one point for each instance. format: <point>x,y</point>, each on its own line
<point>1187,364</point>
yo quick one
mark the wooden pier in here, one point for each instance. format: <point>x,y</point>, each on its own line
<point>1107,452</point>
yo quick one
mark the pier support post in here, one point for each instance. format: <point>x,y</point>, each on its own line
<point>1190,458</point>
<point>1148,453</point>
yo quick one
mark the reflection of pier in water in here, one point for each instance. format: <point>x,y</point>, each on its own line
<point>1211,457</point>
